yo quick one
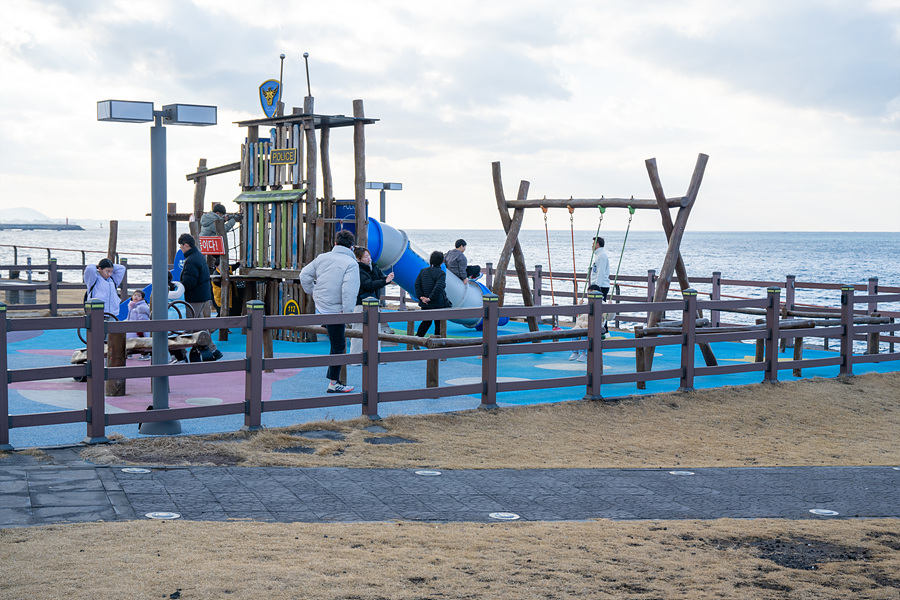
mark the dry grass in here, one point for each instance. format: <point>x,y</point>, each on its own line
<point>403,561</point>
<point>812,422</point>
<point>816,422</point>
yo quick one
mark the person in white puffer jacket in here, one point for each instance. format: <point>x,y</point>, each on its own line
<point>333,280</point>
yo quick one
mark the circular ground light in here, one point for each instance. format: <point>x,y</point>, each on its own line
<point>163,515</point>
<point>428,473</point>
<point>681,472</point>
<point>504,516</point>
<point>824,512</point>
<point>135,470</point>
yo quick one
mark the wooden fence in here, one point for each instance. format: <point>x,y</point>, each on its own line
<point>489,348</point>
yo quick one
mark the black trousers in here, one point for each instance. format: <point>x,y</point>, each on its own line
<point>423,328</point>
<point>338,346</point>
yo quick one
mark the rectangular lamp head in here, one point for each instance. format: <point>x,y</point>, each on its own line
<point>124,111</point>
<point>393,186</point>
<point>189,114</point>
<point>374,185</point>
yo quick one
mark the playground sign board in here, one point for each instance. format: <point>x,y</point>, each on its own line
<point>212,245</point>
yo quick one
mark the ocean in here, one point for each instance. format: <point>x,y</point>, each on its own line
<point>826,257</point>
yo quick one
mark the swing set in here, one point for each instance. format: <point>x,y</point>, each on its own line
<point>672,263</point>
<point>602,209</point>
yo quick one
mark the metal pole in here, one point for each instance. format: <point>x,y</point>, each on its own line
<point>159,294</point>
<point>382,205</point>
<point>306,60</point>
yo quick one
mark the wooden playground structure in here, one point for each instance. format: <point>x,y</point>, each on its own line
<point>673,264</point>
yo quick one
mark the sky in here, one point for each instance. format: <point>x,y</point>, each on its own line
<point>796,102</point>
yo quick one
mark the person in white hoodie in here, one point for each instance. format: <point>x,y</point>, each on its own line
<point>333,280</point>
<point>102,283</point>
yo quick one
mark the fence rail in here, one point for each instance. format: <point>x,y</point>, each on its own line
<point>490,347</point>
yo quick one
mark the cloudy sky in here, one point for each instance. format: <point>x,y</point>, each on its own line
<point>796,102</point>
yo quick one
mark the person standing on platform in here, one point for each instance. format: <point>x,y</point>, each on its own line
<point>218,213</point>
<point>431,284</point>
<point>333,280</point>
<point>458,264</point>
<point>102,283</point>
<point>197,286</point>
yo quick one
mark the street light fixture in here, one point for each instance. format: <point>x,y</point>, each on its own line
<point>378,185</point>
<point>124,111</point>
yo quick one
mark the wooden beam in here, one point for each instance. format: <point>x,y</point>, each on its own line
<point>636,203</point>
<point>236,166</point>
<point>674,249</point>
<point>518,256</point>
<point>512,238</point>
<point>668,227</point>
<point>359,161</point>
<point>199,191</point>
<point>309,131</point>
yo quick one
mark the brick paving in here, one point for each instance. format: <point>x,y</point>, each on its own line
<point>65,489</point>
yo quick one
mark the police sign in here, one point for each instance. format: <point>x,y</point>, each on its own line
<point>284,156</point>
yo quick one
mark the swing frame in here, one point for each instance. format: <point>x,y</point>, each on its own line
<point>672,264</point>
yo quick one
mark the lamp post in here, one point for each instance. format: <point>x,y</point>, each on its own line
<point>378,185</point>
<point>120,111</point>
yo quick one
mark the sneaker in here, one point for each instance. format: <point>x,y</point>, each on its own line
<point>173,359</point>
<point>336,387</point>
<point>582,357</point>
<point>217,354</point>
<point>574,355</point>
<point>144,357</point>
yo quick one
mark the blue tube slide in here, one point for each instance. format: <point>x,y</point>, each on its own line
<point>391,250</point>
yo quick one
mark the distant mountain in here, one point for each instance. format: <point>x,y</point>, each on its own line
<point>22,214</point>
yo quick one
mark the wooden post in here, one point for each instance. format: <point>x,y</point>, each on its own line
<point>538,285</point>
<point>326,233</point>
<point>271,306</point>
<point>115,357</point>
<point>640,364</point>
<point>489,351</point>
<point>673,252</point>
<point>789,282</point>
<point>370,328</point>
<point>96,373</point>
<point>199,192</point>
<point>253,376</point>
<point>359,162</point>
<point>518,256</point>
<point>595,345</point>
<point>54,288</point>
<point>689,327</point>
<point>669,227</point>
<point>225,281</point>
<point>309,243</point>
<point>489,275</point>
<point>773,315</point>
<point>512,238</point>
<point>4,389</point>
<point>113,238</point>
<point>798,354</point>
<point>716,294</point>
<point>847,334</point>
<point>172,232</point>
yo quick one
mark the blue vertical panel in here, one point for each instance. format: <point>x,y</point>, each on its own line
<point>272,231</point>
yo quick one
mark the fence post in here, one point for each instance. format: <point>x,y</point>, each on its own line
<point>872,289</point>
<point>715,294</point>
<point>256,315</point>
<point>847,333</point>
<point>123,287</point>
<point>96,373</point>
<point>489,275</point>
<point>4,389</point>
<point>54,288</point>
<point>689,333</point>
<point>370,326</point>
<point>489,351</point>
<point>595,346</point>
<point>789,282</point>
<point>538,282</point>
<point>773,314</point>
<point>651,284</point>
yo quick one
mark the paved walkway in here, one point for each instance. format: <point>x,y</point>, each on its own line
<point>66,489</point>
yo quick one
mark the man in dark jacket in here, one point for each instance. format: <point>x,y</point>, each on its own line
<point>430,289</point>
<point>197,286</point>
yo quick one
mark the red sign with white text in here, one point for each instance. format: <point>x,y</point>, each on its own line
<point>212,245</point>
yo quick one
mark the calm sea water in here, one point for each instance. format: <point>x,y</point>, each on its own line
<point>765,256</point>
